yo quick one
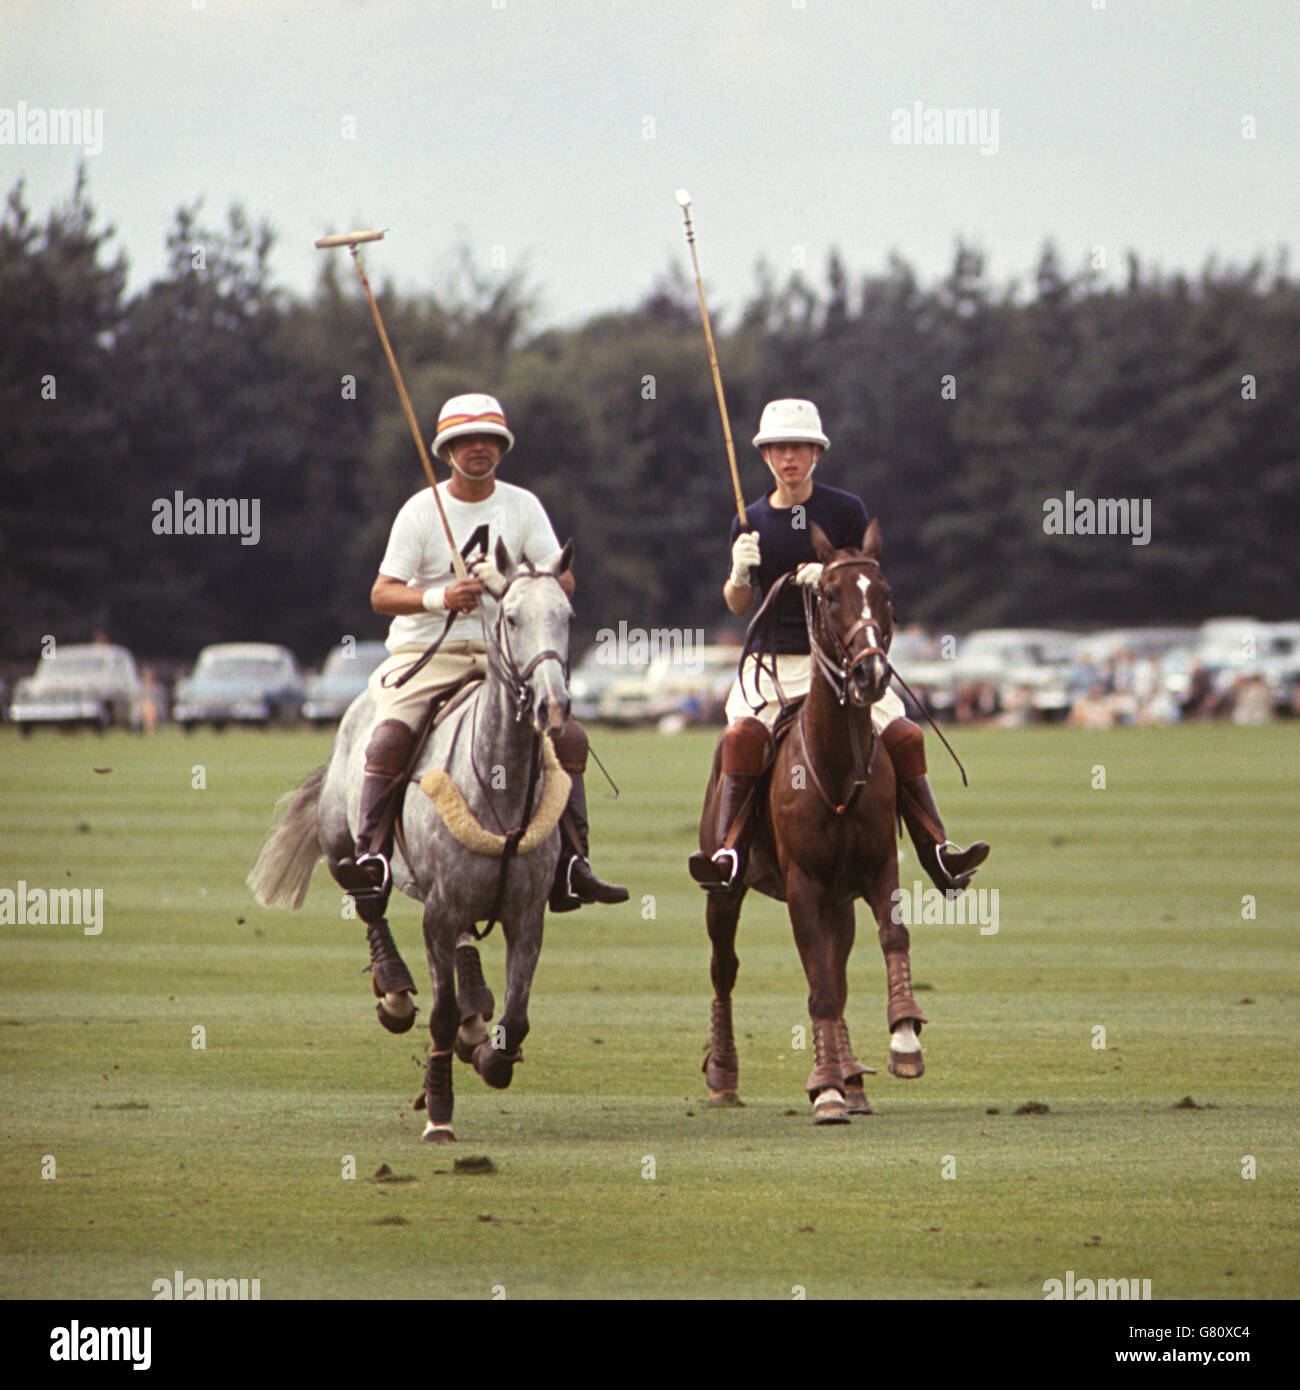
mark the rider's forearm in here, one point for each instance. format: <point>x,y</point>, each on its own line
<point>394,599</point>
<point>738,597</point>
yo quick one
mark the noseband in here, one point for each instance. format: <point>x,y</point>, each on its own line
<point>838,665</point>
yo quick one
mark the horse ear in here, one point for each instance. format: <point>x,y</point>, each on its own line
<point>871,539</point>
<point>502,559</point>
<point>821,542</point>
<point>560,565</point>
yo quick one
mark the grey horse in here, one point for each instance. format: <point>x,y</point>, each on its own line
<point>492,748</point>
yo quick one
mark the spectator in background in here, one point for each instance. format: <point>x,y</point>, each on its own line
<point>1252,703</point>
<point>153,701</point>
<point>1200,700</point>
<point>1093,710</point>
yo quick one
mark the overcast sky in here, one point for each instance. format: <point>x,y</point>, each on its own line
<point>551,134</point>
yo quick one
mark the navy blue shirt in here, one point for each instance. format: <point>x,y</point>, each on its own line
<point>785,542</point>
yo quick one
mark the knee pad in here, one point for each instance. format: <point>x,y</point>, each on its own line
<point>389,748</point>
<point>905,744</point>
<point>745,747</point>
<point>571,746</point>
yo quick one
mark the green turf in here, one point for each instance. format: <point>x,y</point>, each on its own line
<point>1118,908</point>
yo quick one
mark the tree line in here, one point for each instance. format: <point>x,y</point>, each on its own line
<point>960,411</point>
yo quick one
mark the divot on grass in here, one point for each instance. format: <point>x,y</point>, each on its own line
<point>474,1163</point>
<point>1034,1107</point>
<point>385,1174</point>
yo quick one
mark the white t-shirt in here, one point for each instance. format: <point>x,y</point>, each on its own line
<point>418,555</point>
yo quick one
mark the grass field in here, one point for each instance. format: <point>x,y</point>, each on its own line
<point>1119,908</point>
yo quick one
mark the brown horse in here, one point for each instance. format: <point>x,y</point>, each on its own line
<point>825,836</point>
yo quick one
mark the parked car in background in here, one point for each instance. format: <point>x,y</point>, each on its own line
<point>240,683</point>
<point>342,678</point>
<point>691,688</point>
<point>919,660</point>
<point>1025,667</point>
<point>95,684</point>
<point>1279,664</point>
<point>592,680</point>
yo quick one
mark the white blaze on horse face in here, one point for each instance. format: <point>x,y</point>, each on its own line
<point>874,633</point>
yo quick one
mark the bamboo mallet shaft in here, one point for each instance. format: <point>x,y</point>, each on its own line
<point>684,202</point>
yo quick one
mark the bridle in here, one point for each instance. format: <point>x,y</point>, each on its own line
<point>500,658</point>
<point>839,664</point>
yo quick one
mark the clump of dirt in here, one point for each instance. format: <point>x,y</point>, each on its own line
<point>385,1174</point>
<point>994,1111</point>
<point>125,1105</point>
<point>390,1221</point>
<point>1187,1103</point>
<point>474,1163</point>
<point>1034,1107</point>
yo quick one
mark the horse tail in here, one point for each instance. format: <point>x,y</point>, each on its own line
<point>288,856</point>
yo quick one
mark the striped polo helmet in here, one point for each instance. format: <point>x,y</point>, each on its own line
<point>472,414</point>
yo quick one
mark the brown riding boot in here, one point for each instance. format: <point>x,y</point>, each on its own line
<point>725,868</point>
<point>745,748</point>
<point>367,875</point>
<point>575,882</point>
<point>949,866</point>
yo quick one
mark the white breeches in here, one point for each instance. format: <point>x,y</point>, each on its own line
<point>795,674</point>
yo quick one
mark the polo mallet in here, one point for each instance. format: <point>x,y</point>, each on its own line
<point>352,240</point>
<point>684,202</point>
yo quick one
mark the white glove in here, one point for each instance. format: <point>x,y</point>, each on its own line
<point>485,571</point>
<point>808,574</point>
<point>744,558</point>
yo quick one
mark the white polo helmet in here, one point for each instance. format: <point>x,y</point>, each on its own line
<point>790,420</point>
<point>472,414</point>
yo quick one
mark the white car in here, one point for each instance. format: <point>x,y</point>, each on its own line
<point>94,684</point>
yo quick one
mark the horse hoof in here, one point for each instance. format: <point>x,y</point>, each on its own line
<point>908,1065</point>
<point>494,1066</point>
<point>438,1134</point>
<point>829,1109</point>
<point>396,1023</point>
<point>470,1036</point>
<point>720,1100</point>
<point>855,1100</point>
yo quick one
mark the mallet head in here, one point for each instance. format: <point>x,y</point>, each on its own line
<point>683,198</point>
<point>347,239</point>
